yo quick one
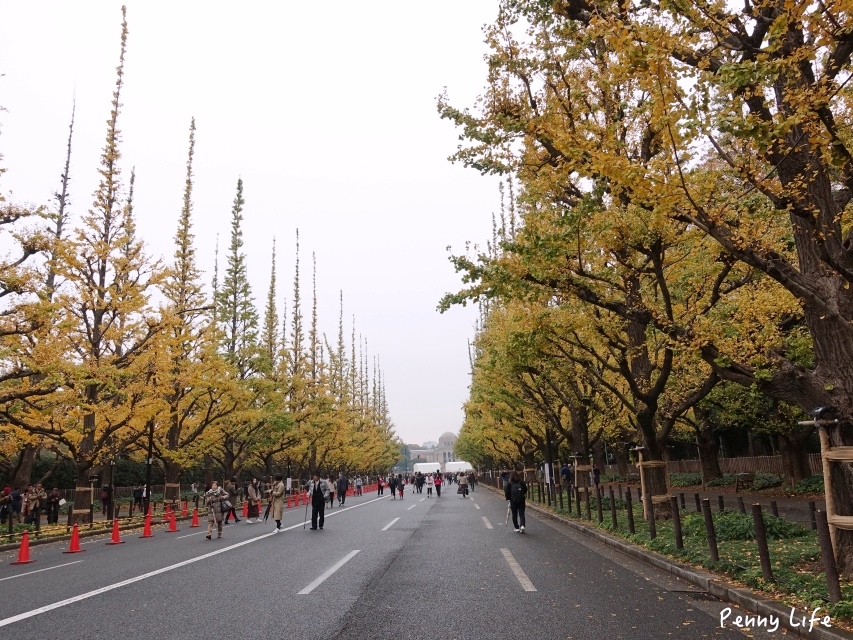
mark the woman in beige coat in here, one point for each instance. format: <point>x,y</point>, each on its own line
<point>215,512</point>
<point>277,502</point>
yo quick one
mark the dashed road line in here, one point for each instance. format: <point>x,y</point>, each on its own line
<point>326,574</point>
<point>476,506</point>
<point>390,524</point>
<point>526,584</point>
<point>412,507</point>
<point>487,523</point>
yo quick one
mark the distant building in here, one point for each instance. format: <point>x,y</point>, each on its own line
<point>431,451</point>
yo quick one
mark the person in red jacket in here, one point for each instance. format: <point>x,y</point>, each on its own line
<point>438,481</point>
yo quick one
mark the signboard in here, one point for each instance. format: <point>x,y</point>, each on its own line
<point>288,484</point>
<point>547,466</point>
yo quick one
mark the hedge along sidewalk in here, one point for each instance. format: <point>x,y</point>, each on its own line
<point>709,582</point>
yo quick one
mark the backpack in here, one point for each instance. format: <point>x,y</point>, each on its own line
<point>516,493</point>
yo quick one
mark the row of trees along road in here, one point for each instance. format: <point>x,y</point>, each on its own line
<point>93,370</point>
<point>682,222</point>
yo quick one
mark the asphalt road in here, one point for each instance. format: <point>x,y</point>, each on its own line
<point>442,569</point>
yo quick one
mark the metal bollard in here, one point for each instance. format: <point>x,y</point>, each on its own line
<point>586,502</point>
<point>812,515</point>
<point>683,506</point>
<point>740,505</point>
<point>709,530</point>
<point>774,508</point>
<point>578,501</point>
<point>761,541</point>
<point>722,505</point>
<point>676,522</point>
<point>698,503</point>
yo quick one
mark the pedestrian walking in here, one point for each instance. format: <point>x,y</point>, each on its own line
<point>438,482</point>
<point>400,485</point>
<point>331,491</point>
<point>596,475</point>
<point>194,491</point>
<point>379,486</point>
<point>254,496</point>
<point>430,483</point>
<point>515,492</point>
<point>35,499</point>
<point>277,501</point>
<point>106,500</point>
<point>215,500</point>
<point>463,484</point>
<point>5,504</point>
<point>343,485</point>
<point>318,489</point>
<point>359,483</point>
<point>234,492</point>
<point>137,499</point>
<point>392,485</point>
<point>52,502</point>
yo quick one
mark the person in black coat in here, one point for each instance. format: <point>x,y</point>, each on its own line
<point>515,492</point>
<point>343,485</point>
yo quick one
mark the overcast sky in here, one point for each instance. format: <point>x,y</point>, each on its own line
<point>326,110</point>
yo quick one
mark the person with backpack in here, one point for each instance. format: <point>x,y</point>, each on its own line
<point>515,492</point>
<point>343,486</point>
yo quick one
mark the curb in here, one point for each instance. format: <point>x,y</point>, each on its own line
<point>712,583</point>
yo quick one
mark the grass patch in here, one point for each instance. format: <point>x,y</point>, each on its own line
<point>795,557</point>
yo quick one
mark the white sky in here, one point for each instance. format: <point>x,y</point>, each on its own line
<point>326,110</point>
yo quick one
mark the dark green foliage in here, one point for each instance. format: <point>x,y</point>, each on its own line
<point>766,480</point>
<point>731,525</point>
<point>685,479</point>
<point>813,484</point>
<point>724,480</point>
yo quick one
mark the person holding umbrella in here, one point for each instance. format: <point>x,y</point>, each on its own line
<point>319,491</point>
<point>277,502</point>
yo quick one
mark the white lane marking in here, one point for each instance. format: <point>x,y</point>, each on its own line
<point>488,524</point>
<point>390,524</point>
<point>422,499</point>
<point>190,534</point>
<point>412,507</point>
<point>476,506</point>
<point>526,584</point>
<point>21,575</point>
<point>325,575</point>
<point>96,592</point>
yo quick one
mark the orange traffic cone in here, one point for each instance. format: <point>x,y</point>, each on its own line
<point>195,519</point>
<point>184,510</point>
<point>146,532</point>
<point>173,525</point>
<point>116,539</point>
<point>74,547</point>
<point>24,551</point>
<point>289,501</point>
<point>245,509</point>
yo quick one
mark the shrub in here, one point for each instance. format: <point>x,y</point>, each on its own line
<point>813,484</point>
<point>731,525</point>
<point>685,479</point>
<point>723,481</point>
<point>612,477</point>
<point>766,480</point>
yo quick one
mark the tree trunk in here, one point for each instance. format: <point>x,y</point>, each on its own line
<point>24,469</point>
<point>622,461</point>
<point>172,476</point>
<point>794,457</point>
